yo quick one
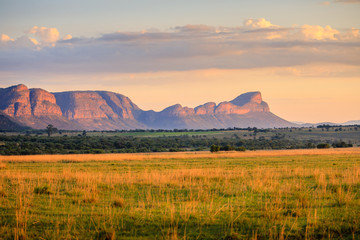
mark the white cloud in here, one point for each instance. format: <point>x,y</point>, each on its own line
<point>258,23</point>
<point>67,37</point>
<point>347,1</point>
<point>351,34</point>
<point>257,43</point>
<point>196,28</point>
<point>319,33</point>
<point>47,36</point>
<point>34,41</point>
<point>5,38</point>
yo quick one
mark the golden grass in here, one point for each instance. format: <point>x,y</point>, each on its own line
<point>274,198</point>
<point>176,155</point>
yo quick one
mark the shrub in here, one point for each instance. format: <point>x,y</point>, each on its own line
<point>240,149</point>
<point>227,148</point>
<point>43,190</point>
<point>341,145</point>
<point>214,148</point>
<point>323,145</point>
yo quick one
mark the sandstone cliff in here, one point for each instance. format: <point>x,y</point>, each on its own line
<point>43,103</point>
<point>101,110</point>
<point>15,101</point>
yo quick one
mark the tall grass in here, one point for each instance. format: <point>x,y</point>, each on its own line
<point>252,195</point>
<point>173,155</point>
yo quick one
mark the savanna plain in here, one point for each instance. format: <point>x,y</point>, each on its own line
<point>274,194</point>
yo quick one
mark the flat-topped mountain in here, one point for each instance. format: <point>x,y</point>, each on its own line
<point>102,110</point>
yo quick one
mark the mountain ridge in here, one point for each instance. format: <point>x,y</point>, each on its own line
<point>104,110</point>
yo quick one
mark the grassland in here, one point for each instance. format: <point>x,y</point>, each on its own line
<point>284,194</point>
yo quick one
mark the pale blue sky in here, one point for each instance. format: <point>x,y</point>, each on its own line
<point>91,18</point>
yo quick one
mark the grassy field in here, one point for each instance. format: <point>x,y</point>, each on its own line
<point>284,194</point>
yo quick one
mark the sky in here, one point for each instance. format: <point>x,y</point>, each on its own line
<point>303,56</point>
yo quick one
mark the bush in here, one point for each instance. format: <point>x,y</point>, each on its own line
<point>323,145</point>
<point>214,148</point>
<point>227,148</point>
<point>341,145</point>
<point>240,149</point>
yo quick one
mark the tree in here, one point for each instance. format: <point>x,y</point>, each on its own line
<point>323,145</point>
<point>50,129</point>
<point>214,148</point>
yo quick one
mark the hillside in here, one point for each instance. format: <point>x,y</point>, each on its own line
<point>102,110</point>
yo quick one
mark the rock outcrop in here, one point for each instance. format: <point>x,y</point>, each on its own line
<point>15,101</point>
<point>101,110</point>
<point>43,103</point>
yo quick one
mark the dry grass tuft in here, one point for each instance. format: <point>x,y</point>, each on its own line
<point>106,235</point>
<point>2,193</point>
<point>3,165</point>
<point>90,199</point>
<point>119,203</point>
<point>43,190</point>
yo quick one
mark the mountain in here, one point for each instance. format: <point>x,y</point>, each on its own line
<point>353,122</point>
<point>8,124</point>
<point>102,110</point>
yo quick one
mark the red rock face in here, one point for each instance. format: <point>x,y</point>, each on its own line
<point>207,108</point>
<point>101,110</point>
<point>84,105</point>
<point>121,105</point>
<point>15,101</point>
<point>243,104</point>
<point>177,111</point>
<point>229,108</point>
<point>43,103</point>
<point>251,101</point>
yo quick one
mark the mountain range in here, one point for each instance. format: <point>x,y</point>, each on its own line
<point>352,122</point>
<point>103,110</point>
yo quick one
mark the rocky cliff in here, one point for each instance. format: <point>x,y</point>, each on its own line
<point>101,110</point>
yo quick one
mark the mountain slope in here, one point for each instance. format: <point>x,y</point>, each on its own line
<point>8,124</point>
<point>102,110</point>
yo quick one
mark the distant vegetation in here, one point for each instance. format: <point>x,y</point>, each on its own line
<point>53,141</point>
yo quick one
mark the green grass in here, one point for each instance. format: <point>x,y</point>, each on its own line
<point>268,197</point>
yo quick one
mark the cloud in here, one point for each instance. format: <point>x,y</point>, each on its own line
<point>351,34</point>
<point>195,28</point>
<point>5,38</point>
<point>35,38</point>
<point>34,41</point>
<point>46,36</point>
<point>255,44</point>
<point>347,1</point>
<point>319,33</point>
<point>67,37</point>
<point>258,23</point>
<point>8,44</point>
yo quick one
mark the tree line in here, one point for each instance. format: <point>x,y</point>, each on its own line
<point>28,145</point>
